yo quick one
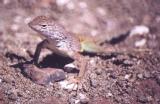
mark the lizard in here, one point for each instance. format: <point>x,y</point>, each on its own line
<point>63,43</point>
<point>59,41</point>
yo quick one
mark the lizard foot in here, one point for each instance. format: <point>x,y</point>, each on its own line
<point>75,80</point>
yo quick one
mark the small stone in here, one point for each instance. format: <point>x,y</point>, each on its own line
<point>127,76</point>
<point>142,99</point>
<point>12,94</point>
<point>139,30</point>
<point>62,2</point>
<point>140,43</point>
<point>83,98</point>
<point>67,86</point>
<point>0,80</point>
<point>92,61</point>
<point>70,67</point>
<point>17,19</point>
<point>109,94</point>
<point>101,11</point>
<point>47,74</point>
<point>94,83</point>
<point>94,32</point>
<point>14,27</point>
<point>99,71</point>
<point>70,5</point>
<point>128,62</point>
<point>82,4</point>
<point>73,100</point>
<point>140,76</point>
<point>147,74</point>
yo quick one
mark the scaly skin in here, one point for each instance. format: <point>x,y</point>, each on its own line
<point>58,40</point>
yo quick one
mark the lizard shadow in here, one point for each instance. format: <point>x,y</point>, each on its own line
<point>56,61</point>
<point>102,56</point>
<point>118,39</point>
<point>49,61</point>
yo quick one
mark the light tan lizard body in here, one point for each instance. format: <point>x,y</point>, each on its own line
<point>58,40</point>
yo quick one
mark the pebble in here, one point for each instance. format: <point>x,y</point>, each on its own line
<point>70,67</point>
<point>98,71</point>
<point>83,98</point>
<point>94,83</point>
<point>101,11</point>
<point>15,27</point>
<point>67,86</point>
<point>71,5</point>
<point>140,76</point>
<point>127,76</point>
<point>74,101</point>
<point>12,94</point>
<point>83,4</point>
<point>62,2</point>
<point>147,74</point>
<point>128,62</point>
<point>109,94</point>
<point>139,30</point>
<point>140,43</point>
<point>142,99</point>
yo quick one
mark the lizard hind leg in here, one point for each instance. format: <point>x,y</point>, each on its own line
<point>82,68</point>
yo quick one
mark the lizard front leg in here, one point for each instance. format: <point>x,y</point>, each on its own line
<point>43,44</point>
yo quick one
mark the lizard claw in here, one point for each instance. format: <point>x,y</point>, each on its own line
<point>74,80</point>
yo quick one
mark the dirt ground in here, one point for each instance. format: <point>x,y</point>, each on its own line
<point>131,77</point>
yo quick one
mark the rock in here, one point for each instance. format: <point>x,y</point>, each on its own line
<point>140,43</point>
<point>62,2</point>
<point>140,76</point>
<point>12,94</point>
<point>139,30</point>
<point>67,86</point>
<point>43,76</point>
<point>127,76</point>
<point>128,62</point>
<point>83,98</point>
<point>147,74</point>
<point>70,67</point>
<point>109,94</point>
<point>142,99</point>
<point>98,71</point>
<point>94,83</point>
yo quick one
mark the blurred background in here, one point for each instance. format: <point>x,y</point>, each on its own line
<point>102,19</point>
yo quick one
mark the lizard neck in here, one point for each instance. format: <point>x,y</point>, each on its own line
<point>55,35</point>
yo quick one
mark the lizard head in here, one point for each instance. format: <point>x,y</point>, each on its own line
<point>46,26</point>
